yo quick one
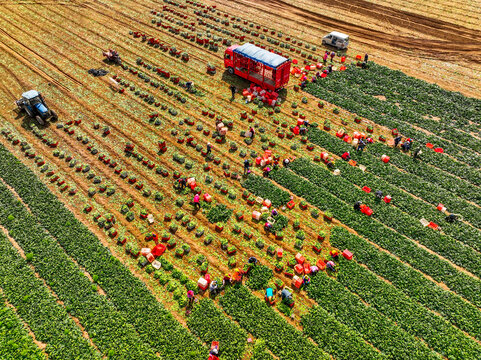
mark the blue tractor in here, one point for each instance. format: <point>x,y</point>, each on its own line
<point>34,105</point>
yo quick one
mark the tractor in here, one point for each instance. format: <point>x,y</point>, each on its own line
<point>34,105</point>
<point>112,56</point>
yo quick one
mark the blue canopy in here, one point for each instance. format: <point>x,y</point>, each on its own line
<point>258,54</point>
<point>269,292</point>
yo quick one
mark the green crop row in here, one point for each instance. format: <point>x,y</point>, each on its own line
<point>415,319</point>
<point>15,342</point>
<point>459,312</point>
<point>406,202</point>
<point>114,336</point>
<point>418,95</point>
<point>155,325</point>
<point>48,320</point>
<point>256,317</point>
<point>338,91</point>
<point>260,351</point>
<point>266,189</point>
<point>441,178</point>
<point>430,264</point>
<point>413,184</point>
<point>258,277</point>
<point>390,216</point>
<point>373,326</point>
<point>336,338</point>
<point>211,324</point>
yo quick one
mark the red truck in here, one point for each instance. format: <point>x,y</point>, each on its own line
<point>262,67</point>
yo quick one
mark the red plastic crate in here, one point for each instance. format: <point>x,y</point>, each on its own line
<point>347,254</point>
<point>299,269</point>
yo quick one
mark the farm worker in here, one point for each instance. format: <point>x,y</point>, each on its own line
<point>330,164</point>
<point>226,279</point>
<point>329,68</point>
<point>333,54</point>
<point>361,145</point>
<point>379,194</point>
<point>306,123</point>
<point>346,156</point>
<point>268,226</point>
<point>406,145</point>
<point>302,130</point>
<point>369,140</point>
<point>416,153</point>
<point>334,254</point>
<point>306,280</point>
<point>331,266</point>
<point>191,297</point>
<point>252,131</point>
<point>274,213</point>
<point>357,206</point>
<point>252,260</point>
<point>209,148</point>
<point>324,58</point>
<point>196,201</point>
<point>314,79</point>
<point>246,166</point>
<point>286,162</point>
<point>366,57</point>
<point>213,288</point>
<point>266,171</point>
<point>233,90</point>
<point>451,218</point>
<point>188,85</point>
<point>182,183</point>
<point>397,140</point>
<point>303,84</point>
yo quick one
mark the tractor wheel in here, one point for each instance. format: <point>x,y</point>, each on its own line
<point>39,120</point>
<point>230,70</point>
<point>323,42</point>
<point>54,115</point>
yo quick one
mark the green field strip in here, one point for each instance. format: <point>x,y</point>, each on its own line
<point>110,331</point>
<point>38,308</point>
<point>15,341</point>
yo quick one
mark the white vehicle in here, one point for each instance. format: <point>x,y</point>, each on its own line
<point>336,39</point>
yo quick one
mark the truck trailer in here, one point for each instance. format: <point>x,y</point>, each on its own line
<point>262,67</point>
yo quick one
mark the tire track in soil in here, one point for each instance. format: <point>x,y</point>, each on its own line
<point>185,41</point>
<point>445,51</point>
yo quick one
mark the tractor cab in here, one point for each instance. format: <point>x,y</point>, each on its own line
<point>34,105</point>
<point>229,58</point>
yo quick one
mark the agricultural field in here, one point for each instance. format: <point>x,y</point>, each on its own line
<point>99,245</point>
